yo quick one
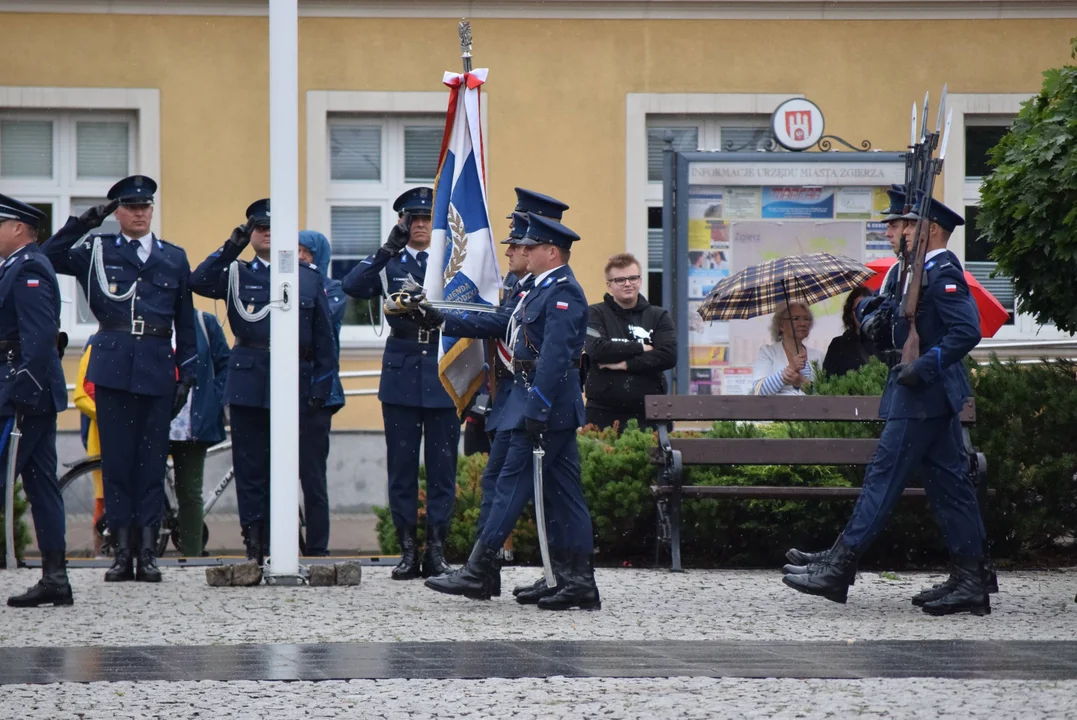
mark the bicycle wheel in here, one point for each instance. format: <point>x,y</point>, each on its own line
<point>76,487</point>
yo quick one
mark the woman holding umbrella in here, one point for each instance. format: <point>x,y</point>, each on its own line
<point>785,366</point>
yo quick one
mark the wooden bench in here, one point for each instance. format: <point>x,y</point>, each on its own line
<point>672,454</point>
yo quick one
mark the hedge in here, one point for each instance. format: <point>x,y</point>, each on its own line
<point>1025,420</point>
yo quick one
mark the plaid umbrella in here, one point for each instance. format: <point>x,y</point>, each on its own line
<point>760,289</point>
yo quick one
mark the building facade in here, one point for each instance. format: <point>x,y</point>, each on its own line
<point>578,99</point>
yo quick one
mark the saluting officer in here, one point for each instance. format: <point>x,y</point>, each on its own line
<point>414,405</point>
<point>32,389</point>
<point>245,288</point>
<point>548,330</point>
<point>136,285</point>
<point>921,405</point>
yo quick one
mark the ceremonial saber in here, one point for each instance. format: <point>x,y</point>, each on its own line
<point>538,455</point>
<point>12,436</point>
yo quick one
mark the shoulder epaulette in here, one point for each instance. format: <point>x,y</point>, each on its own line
<point>562,279</point>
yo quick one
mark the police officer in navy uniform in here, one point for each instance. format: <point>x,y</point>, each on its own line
<point>32,389</point>
<point>921,405</point>
<point>545,407</point>
<point>415,406</point>
<point>245,288</point>
<point>136,285</point>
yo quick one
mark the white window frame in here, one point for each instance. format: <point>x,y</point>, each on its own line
<point>386,108</point>
<point>710,111</point>
<point>972,109</point>
<point>139,106</point>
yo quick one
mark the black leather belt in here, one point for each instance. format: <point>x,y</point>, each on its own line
<point>138,328</point>
<point>9,349</point>
<point>524,366</point>
<point>305,353</point>
<point>420,335</point>
<point>501,372</point>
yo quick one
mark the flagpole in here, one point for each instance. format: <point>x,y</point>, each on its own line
<point>284,284</point>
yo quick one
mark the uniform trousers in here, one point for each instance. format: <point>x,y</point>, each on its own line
<point>499,450</point>
<point>568,520</point>
<point>134,447</point>
<point>250,461</point>
<point>36,463</point>
<point>314,427</point>
<point>936,444</point>
<point>406,427</point>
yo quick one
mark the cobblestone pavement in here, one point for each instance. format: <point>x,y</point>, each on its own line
<point>609,699</point>
<point>637,605</point>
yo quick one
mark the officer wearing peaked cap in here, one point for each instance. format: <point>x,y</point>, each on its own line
<point>415,406</point>
<point>545,407</point>
<point>921,404</point>
<point>32,389</point>
<point>529,201</point>
<point>245,288</point>
<point>136,285</point>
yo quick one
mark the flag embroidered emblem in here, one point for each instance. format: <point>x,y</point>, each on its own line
<point>951,288</point>
<point>33,282</point>
<point>562,306</point>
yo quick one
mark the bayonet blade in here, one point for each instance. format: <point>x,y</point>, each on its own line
<point>912,127</point>
<point>942,109</point>
<point>923,127</point>
<point>945,135</point>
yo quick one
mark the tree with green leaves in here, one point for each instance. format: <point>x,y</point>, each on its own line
<point>1028,207</point>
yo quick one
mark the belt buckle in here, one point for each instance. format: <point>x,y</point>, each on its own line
<point>424,336</point>
<point>138,327</point>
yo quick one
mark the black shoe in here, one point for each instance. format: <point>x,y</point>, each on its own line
<point>495,584</point>
<point>969,593</point>
<point>801,558</point>
<point>123,568</point>
<point>147,556</point>
<point>408,567</point>
<point>832,578</point>
<point>474,580</point>
<point>252,541</point>
<point>575,586</point>
<point>53,587</point>
<point>531,594</point>
<point>434,557</point>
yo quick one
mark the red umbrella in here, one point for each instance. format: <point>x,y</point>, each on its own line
<point>992,314</point>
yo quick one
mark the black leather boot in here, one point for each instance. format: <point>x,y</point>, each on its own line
<point>814,565</point>
<point>495,584</point>
<point>147,556</point>
<point>801,558</point>
<point>434,557</point>
<point>53,587</point>
<point>474,580</point>
<point>263,543</point>
<point>941,590</point>
<point>575,586</point>
<point>408,567</point>
<point>969,593</point>
<point>252,540</point>
<point>832,578</point>
<point>123,568</point>
<point>531,594</point>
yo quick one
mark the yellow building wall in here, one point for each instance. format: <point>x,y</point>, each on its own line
<point>555,95</point>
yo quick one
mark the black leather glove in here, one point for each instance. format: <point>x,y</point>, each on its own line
<point>96,215</point>
<point>241,236</point>
<point>398,239</point>
<point>183,389</point>
<point>315,404</point>
<point>876,328</point>
<point>429,318</point>
<point>536,430</point>
<point>907,375</point>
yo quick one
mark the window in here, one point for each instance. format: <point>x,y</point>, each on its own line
<point>727,132</point>
<point>982,133</point>
<point>373,158</point>
<point>63,163</point>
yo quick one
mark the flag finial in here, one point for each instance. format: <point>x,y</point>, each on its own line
<point>465,43</point>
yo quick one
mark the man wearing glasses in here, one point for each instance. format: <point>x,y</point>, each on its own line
<point>630,344</point>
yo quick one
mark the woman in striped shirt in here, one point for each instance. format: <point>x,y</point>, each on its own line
<point>780,369</point>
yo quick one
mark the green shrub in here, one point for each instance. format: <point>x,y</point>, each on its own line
<point>21,531</point>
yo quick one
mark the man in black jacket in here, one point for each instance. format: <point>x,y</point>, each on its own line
<point>630,343</point>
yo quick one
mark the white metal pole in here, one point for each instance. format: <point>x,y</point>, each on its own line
<point>284,281</point>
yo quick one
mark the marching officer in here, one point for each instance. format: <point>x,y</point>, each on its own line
<point>244,286</point>
<point>545,407</point>
<point>921,405</point>
<point>415,406</point>
<point>32,390</point>
<point>136,285</point>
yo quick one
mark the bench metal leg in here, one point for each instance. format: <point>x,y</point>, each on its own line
<point>675,530</point>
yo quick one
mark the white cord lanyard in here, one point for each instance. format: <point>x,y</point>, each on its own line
<point>97,268</point>
<point>233,297</point>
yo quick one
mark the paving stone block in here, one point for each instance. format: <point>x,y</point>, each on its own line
<point>247,574</point>
<point>349,572</point>
<point>219,575</point>
<point>322,576</point>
